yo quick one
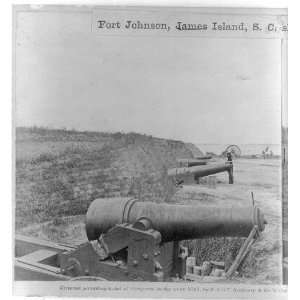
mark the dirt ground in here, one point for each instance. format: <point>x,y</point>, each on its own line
<point>262,177</point>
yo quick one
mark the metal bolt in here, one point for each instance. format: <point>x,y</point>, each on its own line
<point>156,253</point>
<point>86,271</point>
<point>145,256</point>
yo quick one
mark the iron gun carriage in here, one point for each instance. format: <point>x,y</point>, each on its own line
<point>133,240</point>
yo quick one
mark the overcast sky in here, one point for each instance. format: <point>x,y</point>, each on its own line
<point>194,89</point>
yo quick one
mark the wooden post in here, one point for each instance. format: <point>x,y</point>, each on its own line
<point>243,250</point>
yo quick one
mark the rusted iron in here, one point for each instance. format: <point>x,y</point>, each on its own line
<point>196,172</point>
<point>204,157</point>
<point>188,162</point>
<point>137,241</point>
<point>174,222</point>
<point>151,232</point>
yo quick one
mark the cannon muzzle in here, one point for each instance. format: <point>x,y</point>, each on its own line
<point>174,222</point>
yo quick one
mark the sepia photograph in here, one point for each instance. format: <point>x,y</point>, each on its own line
<point>150,146</point>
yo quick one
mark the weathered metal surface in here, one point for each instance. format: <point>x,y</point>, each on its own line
<point>200,171</point>
<point>139,255</point>
<point>187,162</point>
<point>140,240</point>
<point>204,157</point>
<point>174,222</point>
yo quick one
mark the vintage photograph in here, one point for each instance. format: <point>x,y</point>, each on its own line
<point>150,145</point>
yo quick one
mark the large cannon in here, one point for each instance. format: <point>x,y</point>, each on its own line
<point>133,240</point>
<point>148,234</point>
<point>174,222</point>
<point>197,172</point>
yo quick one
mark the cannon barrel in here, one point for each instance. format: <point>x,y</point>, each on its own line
<point>191,162</point>
<point>174,222</point>
<point>202,171</point>
<point>203,157</point>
